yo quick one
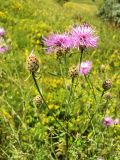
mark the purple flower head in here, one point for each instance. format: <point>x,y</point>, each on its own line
<point>57,42</point>
<point>108,121</point>
<point>2,32</point>
<point>85,67</point>
<point>83,36</point>
<point>3,50</point>
<point>116,121</point>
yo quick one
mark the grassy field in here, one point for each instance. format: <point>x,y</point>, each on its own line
<point>31,132</point>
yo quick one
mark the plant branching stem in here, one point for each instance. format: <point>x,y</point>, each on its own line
<point>36,84</point>
<point>93,113</point>
<point>90,86</point>
<point>81,56</point>
<point>102,93</point>
<point>66,135</point>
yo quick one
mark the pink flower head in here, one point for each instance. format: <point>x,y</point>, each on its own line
<point>57,42</point>
<point>116,121</point>
<point>108,121</point>
<point>83,36</point>
<point>3,50</point>
<point>2,32</point>
<point>85,67</point>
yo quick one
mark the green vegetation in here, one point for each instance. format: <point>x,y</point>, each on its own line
<point>31,133</point>
<point>111,11</point>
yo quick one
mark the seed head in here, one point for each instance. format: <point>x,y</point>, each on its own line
<point>32,63</point>
<point>37,100</point>
<point>106,85</point>
<point>73,72</point>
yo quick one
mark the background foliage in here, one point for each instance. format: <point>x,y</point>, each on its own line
<point>111,11</point>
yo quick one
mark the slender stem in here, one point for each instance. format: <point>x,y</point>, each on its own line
<point>93,114</point>
<point>67,140</point>
<point>87,81</point>
<point>91,87</point>
<point>88,123</point>
<point>36,84</point>
<point>66,113</point>
<point>71,90</point>
<point>103,92</point>
<point>66,135</point>
<point>67,121</point>
<point>65,57</point>
<point>81,56</point>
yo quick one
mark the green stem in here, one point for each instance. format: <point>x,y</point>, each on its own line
<point>81,56</point>
<point>93,113</point>
<point>67,139</point>
<point>103,92</point>
<point>65,57</point>
<point>71,90</point>
<point>67,121</point>
<point>36,84</point>
<point>91,87</point>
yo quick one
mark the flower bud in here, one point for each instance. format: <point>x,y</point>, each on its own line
<point>106,85</point>
<point>73,72</point>
<point>32,63</point>
<point>37,100</point>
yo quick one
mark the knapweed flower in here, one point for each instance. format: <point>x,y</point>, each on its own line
<point>3,49</point>
<point>85,67</point>
<point>116,121</point>
<point>84,36</point>
<point>108,121</point>
<point>57,42</point>
<point>2,32</point>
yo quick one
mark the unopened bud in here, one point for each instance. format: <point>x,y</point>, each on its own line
<point>73,72</point>
<point>32,63</point>
<point>37,100</point>
<point>106,85</point>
